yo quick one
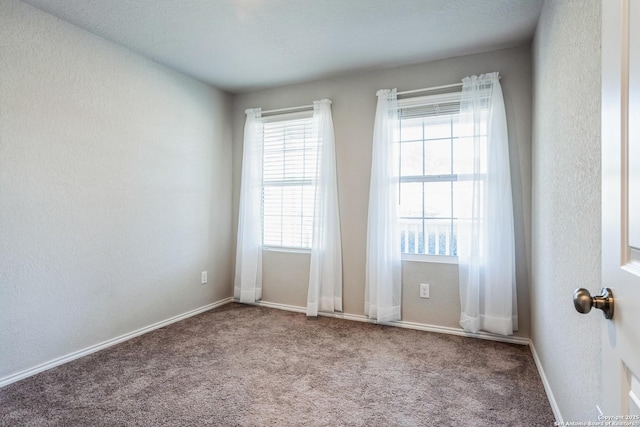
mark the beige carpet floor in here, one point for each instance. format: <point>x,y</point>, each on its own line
<point>253,366</point>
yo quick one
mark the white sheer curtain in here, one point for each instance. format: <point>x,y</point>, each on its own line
<point>248,280</point>
<point>325,277</point>
<point>486,254</point>
<point>383,271</point>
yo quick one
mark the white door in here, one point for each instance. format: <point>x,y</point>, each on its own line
<point>621,208</point>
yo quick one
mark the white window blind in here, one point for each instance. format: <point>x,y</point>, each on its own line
<point>436,166</point>
<point>289,177</point>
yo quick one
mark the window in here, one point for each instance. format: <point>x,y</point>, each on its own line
<point>436,167</point>
<point>290,156</point>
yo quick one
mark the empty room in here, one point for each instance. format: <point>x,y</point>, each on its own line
<point>319,212</point>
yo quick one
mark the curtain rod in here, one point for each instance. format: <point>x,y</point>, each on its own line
<point>282,110</point>
<point>406,92</point>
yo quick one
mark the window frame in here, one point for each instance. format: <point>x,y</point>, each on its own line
<point>424,102</point>
<point>285,117</point>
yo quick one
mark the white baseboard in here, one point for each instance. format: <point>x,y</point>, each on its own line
<point>547,386</point>
<point>284,307</point>
<point>80,353</point>
<point>402,324</point>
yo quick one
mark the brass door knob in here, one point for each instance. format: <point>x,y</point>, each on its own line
<point>583,301</point>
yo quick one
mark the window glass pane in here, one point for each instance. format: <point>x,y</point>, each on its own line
<point>310,162</point>
<point>291,230</point>
<point>294,141</point>
<point>293,164</point>
<point>411,129</point>
<point>272,230</point>
<point>462,130</point>
<point>308,200</point>
<point>292,200</point>
<point>437,199</point>
<point>463,156</point>
<point>411,158</point>
<point>453,245</point>
<point>437,127</point>
<point>272,201</point>
<point>437,157</point>
<point>438,236</point>
<point>411,199</point>
<point>483,154</point>
<point>411,236</point>
<point>308,206</point>
<point>273,168</point>
<point>465,129</point>
<point>307,231</point>
<point>462,199</point>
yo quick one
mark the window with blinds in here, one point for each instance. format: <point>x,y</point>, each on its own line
<point>436,167</point>
<point>290,155</point>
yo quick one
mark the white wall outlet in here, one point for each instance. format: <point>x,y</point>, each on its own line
<point>424,290</point>
<point>204,278</point>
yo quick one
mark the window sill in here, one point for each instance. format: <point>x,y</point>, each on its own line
<point>438,259</point>
<point>286,250</point>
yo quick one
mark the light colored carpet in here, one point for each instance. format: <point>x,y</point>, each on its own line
<point>252,366</point>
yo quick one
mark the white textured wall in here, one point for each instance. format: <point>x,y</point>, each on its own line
<point>115,190</point>
<point>566,201</point>
<point>354,103</point>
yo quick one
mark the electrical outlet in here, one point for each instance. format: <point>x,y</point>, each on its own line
<point>204,278</point>
<point>424,290</point>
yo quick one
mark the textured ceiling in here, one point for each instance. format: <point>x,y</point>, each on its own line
<point>242,45</point>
